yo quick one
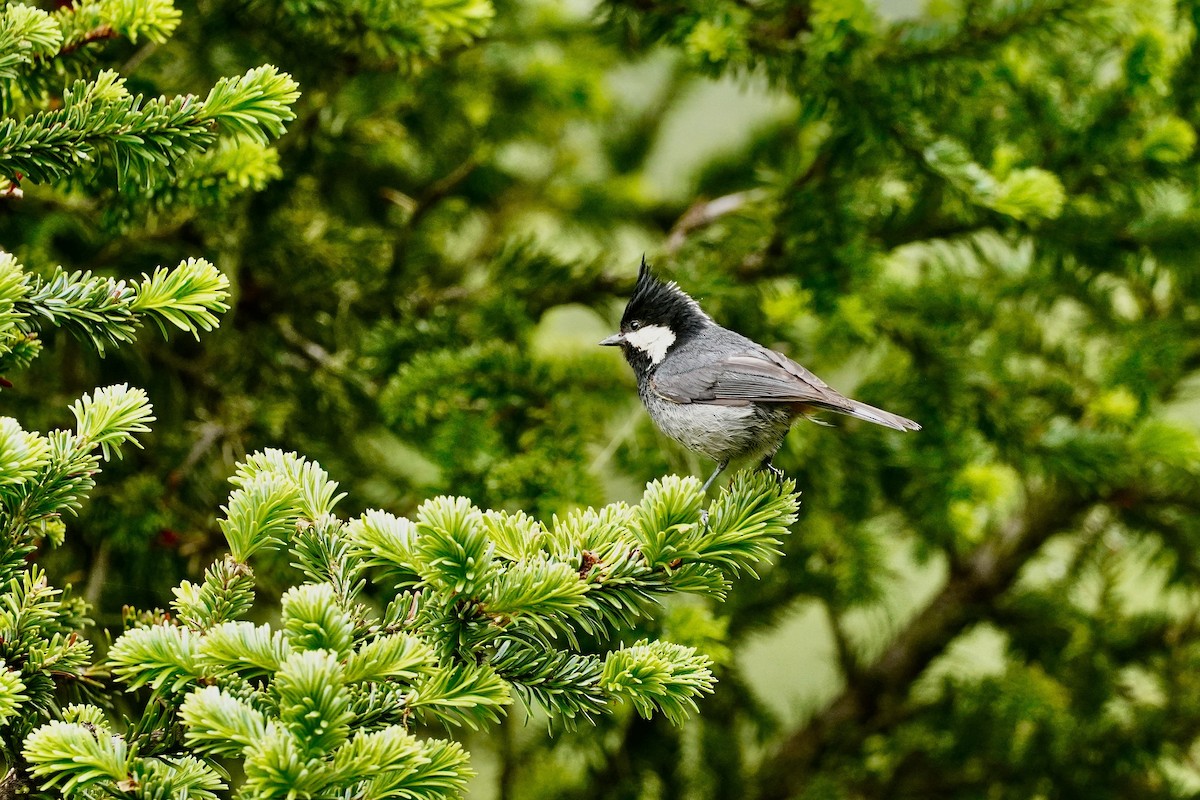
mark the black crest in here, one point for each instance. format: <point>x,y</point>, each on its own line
<point>655,302</point>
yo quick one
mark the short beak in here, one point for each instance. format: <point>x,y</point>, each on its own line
<point>614,340</point>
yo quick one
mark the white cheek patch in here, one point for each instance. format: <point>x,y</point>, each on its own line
<point>653,340</point>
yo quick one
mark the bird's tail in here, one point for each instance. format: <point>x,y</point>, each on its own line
<point>876,415</point>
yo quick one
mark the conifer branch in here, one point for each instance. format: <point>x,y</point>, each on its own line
<point>26,33</point>
<point>107,311</point>
<point>322,702</point>
<point>86,21</point>
<point>142,137</point>
<point>972,34</point>
<point>388,32</point>
<point>875,693</point>
<point>66,462</point>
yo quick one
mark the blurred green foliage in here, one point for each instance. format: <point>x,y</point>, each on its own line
<point>983,217</point>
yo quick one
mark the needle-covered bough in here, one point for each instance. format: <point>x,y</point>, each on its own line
<point>439,618</point>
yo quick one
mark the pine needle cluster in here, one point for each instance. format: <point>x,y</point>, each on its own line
<point>441,618</point>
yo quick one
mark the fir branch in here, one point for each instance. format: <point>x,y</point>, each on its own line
<point>275,766</point>
<point>325,555</point>
<point>26,33</point>
<point>244,648</point>
<point>621,585</point>
<point>461,695</point>
<point>110,417</point>
<point>12,693</point>
<point>57,487</point>
<point>86,21</point>
<point>536,589</point>
<point>260,514</point>
<point>286,702</point>
<point>394,656</point>
<point>29,615</point>
<point>141,136</point>
<point>255,105</point>
<point>316,492</point>
<point>658,676</point>
<point>389,542</point>
<point>747,521</point>
<point>91,307</point>
<point>565,684</point>
<point>22,455</point>
<point>391,750</point>
<point>188,297</point>
<point>379,705</point>
<point>106,311</point>
<point>313,619</point>
<point>173,777</point>
<point>440,772</point>
<point>219,724</point>
<point>667,520</point>
<point>515,535</point>
<point>99,33</point>
<point>226,593</point>
<point>72,756</point>
<point>694,577</point>
<point>106,419</point>
<point>314,703</point>
<point>13,290</point>
<point>159,656</point>
<point>454,552</point>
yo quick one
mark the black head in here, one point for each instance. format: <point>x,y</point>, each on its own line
<point>658,318</point>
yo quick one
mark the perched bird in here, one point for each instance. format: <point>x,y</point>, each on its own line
<point>713,390</point>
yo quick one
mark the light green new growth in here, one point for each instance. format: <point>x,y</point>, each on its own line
<point>50,472</point>
<point>205,143</point>
<point>481,605</point>
<point>103,311</point>
<point>74,756</point>
<point>43,475</point>
<point>12,693</point>
<point>143,137</point>
<point>155,20</point>
<point>63,120</point>
<point>26,33</point>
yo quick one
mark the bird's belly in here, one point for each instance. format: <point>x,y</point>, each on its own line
<point>723,433</point>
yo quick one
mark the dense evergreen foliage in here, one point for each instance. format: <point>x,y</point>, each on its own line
<point>982,217</point>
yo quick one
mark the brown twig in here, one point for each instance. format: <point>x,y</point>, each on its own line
<point>97,34</point>
<point>440,189</point>
<point>323,358</point>
<point>847,660</point>
<point>703,213</point>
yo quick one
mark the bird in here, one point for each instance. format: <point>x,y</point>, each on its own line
<point>715,391</point>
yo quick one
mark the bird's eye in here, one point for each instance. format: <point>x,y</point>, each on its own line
<point>633,326</point>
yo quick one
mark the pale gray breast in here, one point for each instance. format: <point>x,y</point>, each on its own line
<point>720,432</point>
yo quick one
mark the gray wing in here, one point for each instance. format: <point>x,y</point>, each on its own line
<point>749,376</point>
<point>760,375</point>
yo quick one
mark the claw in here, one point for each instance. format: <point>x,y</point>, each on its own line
<point>774,470</point>
<point>704,518</point>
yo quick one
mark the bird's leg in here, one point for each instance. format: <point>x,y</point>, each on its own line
<point>720,468</point>
<point>721,465</point>
<point>766,465</point>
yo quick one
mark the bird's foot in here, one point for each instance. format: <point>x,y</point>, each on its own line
<point>704,519</point>
<point>779,474</point>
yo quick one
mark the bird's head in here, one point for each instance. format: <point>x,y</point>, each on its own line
<point>658,318</point>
